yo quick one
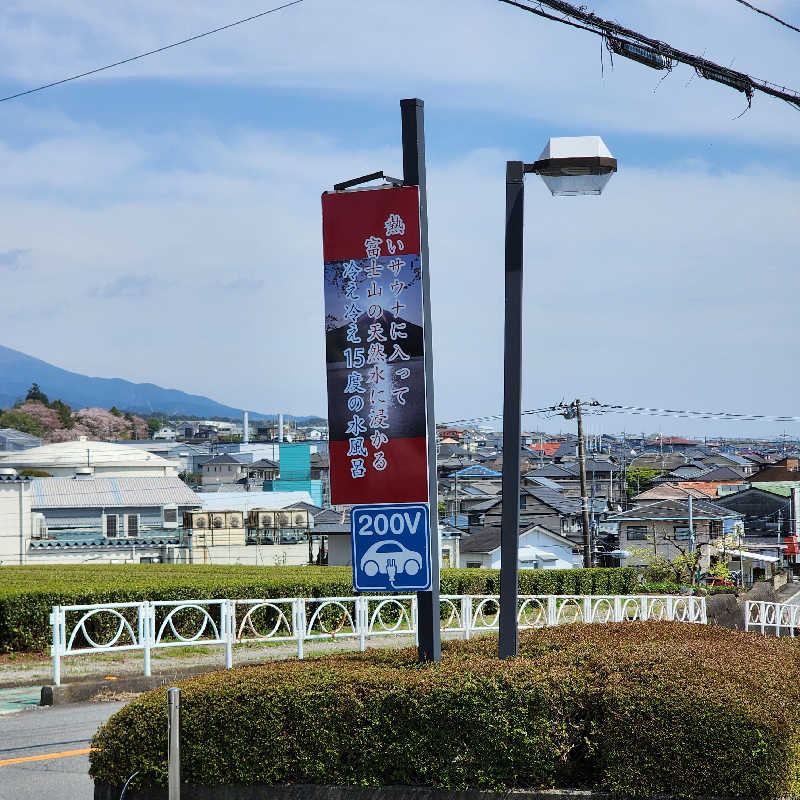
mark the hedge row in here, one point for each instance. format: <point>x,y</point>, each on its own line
<point>636,709</point>
<point>28,593</point>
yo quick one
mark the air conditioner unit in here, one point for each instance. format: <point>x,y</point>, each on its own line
<point>263,520</point>
<point>195,520</point>
<point>38,526</point>
<point>300,519</point>
<point>169,517</point>
<point>132,525</point>
<point>113,525</point>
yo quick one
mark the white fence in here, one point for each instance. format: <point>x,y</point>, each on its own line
<point>152,625</point>
<point>781,619</point>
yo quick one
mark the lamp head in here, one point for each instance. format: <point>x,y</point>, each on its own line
<point>571,165</point>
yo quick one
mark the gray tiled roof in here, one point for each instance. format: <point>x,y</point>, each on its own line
<point>111,492</point>
<point>674,509</point>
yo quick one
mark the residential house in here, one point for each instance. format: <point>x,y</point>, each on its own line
<point>542,505</point>
<point>223,473</point>
<point>668,491</point>
<point>717,482</point>
<point>660,460</point>
<point>786,469</point>
<point>662,528</point>
<point>539,548</point>
<point>601,478</point>
<point>743,466</point>
<point>765,507</point>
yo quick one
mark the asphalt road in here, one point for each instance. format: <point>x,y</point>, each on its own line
<point>54,733</point>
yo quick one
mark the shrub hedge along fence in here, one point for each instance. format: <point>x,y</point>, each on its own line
<point>28,593</point>
<point>636,709</point>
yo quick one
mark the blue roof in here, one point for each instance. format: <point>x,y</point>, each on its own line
<point>477,471</point>
<point>456,521</point>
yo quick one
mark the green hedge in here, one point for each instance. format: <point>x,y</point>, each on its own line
<point>27,594</point>
<point>637,709</point>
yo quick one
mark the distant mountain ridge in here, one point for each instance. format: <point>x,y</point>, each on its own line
<point>18,371</point>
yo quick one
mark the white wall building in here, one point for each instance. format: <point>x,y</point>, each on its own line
<point>538,549</point>
<point>15,518</point>
<point>104,459</point>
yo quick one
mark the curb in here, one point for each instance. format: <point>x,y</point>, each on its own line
<point>83,691</point>
<point>322,792</point>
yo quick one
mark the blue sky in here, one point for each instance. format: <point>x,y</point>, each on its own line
<point>160,222</point>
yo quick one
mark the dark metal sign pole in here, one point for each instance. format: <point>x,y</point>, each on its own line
<point>412,113</point>
<point>512,400</point>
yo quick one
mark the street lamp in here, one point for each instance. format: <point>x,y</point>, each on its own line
<point>569,166</point>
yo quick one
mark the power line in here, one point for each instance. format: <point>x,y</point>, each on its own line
<point>607,408</point>
<point>653,52</point>
<point>150,52</point>
<point>767,14</point>
<point>595,407</point>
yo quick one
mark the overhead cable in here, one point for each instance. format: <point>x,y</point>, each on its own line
<point>653,52</point>
<point>596,407</point>
<point>767,14</point>
<point>150,52</point>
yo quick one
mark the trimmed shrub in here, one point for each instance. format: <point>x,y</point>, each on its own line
<point>637,709</point>
<point>28,593</point>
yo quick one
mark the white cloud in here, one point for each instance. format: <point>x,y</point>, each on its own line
<point>671,289</point>
<point>189,253</point>
<point>477,54</point>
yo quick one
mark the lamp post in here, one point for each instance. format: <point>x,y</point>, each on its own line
<point>568,166</point>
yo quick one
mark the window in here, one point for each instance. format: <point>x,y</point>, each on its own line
<point>637,533</point>
<point>111,526</point>
<point>170,515</point>
<point>133,524</point>
<point>473,564</point>
<point>681,532</point>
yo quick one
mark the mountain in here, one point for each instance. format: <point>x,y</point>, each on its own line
<point>18,371</point>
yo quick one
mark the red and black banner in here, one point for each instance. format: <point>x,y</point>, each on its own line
<point>375,350</point>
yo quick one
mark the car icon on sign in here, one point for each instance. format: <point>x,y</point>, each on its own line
<point>390,557</point>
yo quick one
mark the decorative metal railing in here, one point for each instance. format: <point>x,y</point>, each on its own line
<point>780,619</point>
<point>153,625</point>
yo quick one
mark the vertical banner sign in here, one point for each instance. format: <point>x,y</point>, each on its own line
<point>375,346</point>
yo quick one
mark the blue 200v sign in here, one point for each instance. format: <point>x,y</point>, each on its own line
<point>391,547</point>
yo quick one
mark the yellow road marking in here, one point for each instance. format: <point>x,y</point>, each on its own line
<point>45,756</point>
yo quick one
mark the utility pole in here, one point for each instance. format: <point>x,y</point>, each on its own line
<point>587,541</point>
<point>412,115</point>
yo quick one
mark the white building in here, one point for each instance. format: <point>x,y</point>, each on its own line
<point>538,549</point>
<point>15,517</point>
<point>103,459</point>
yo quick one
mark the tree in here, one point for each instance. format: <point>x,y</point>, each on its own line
<point>154,424</point>
<point>115,411</point>
<point>36,395</point>
<point>64,413</point>
<point>22,422</point>
<point>639,479</point>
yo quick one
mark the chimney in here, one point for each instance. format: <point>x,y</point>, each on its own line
<point>246,428</point>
